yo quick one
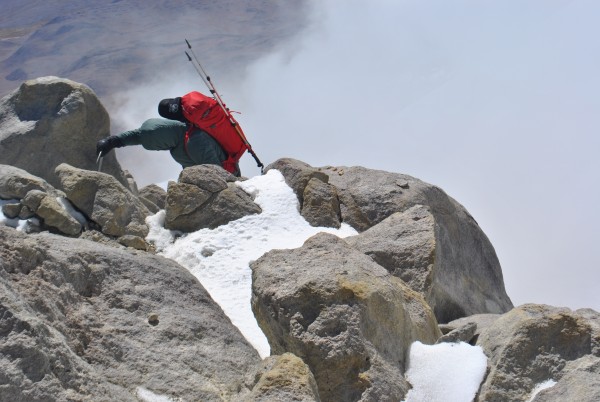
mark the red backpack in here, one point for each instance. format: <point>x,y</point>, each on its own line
<point>205,113</point>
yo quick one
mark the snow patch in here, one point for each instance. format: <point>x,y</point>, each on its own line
<point>540,387</point>
<point>445,372</point>
<point>220,257</point>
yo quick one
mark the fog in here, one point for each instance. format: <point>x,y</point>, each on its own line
<point>495,102</point>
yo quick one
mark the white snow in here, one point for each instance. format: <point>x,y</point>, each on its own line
<point>540,387</point>
<point>445,372</point>
<point>78,216</point>
<point>146,395</point>
<point>16,223</point>
<point>220,257</point>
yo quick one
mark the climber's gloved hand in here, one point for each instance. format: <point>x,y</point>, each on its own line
<point>106,145</point>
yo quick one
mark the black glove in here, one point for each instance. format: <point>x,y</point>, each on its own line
<point>106,145</point>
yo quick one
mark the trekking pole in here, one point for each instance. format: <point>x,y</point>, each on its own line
<point>211,87</point>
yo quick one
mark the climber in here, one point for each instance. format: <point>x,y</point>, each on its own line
<point>188,144</point>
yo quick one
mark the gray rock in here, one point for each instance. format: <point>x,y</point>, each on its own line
<point>82,321</point>
<point>581,383</point>
<point>26,212</point>
<point>133,242</point>
<point>367,197</point>
<point>321,206</point>
<point>49,121</point>
<point>154,195</point>
<point>281,378</point>
<point>205,197</point>
<point>529,345</point>
<point>464,333</point>
<point>55,215</point>
<point>412,246</point>
<point>483,321</point>
<point>297,174</point>
<point>209,177</point>
<point>104,200</point>
<point>344,315</point>
<point>15,183</point>
<point>11,210</point>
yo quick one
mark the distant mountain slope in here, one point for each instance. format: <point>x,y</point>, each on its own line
<point>114,45</point>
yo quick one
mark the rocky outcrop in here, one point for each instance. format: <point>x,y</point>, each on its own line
<point>205,196</point>
<point>535,343</point>
<point>441,253</point>
<point>299,296</point>
<point>104,200</point>
<point>33,197</point>
<point>49,121</point>
<point>82,321</point>
<point>82,317</point>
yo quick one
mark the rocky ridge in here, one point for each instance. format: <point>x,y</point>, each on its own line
<point>89,312</point>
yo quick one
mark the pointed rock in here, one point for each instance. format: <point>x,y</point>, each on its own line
<point>49,121</point>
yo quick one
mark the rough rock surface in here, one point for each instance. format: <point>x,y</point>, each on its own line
<point>318,201</point>
<point>104,200</point>
<point>205,196</point>
<point>282,378</point>
<point>321,206</point>
<point>481,321</point>
<point>83,321</point>
<point>534,343</point>
<point>35,197</point>
<point>407,245</point>
<point>15,183</point>
<point>581,383</point>
<point>462,250</point>
<point>49,121</point>
<point>466,333</point>
<point>298,297</point>
<point>153,197</point>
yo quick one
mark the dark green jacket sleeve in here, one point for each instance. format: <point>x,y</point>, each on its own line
<point>156,135</point>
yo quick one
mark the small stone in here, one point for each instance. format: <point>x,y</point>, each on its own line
<point>133,241</point>
<point>402,184</point>
<point>11,211</point>
<point>153,319</point>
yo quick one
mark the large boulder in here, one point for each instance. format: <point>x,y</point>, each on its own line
<point>205,196</point>
<point>82,321</point>
<point>344,315</point>
<point>367,197</point>
<point>535,343</point>
<point>104,200</point>
<point>408,245</point>
<point>49,121</point>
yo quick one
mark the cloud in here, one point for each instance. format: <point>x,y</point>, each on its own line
<point>495,102</point>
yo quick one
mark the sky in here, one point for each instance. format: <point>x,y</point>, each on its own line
<point>495,102</point>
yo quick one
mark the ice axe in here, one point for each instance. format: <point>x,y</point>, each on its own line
<point>99,161</point>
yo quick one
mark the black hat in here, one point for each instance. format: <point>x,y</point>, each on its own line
<point>171,109</point>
